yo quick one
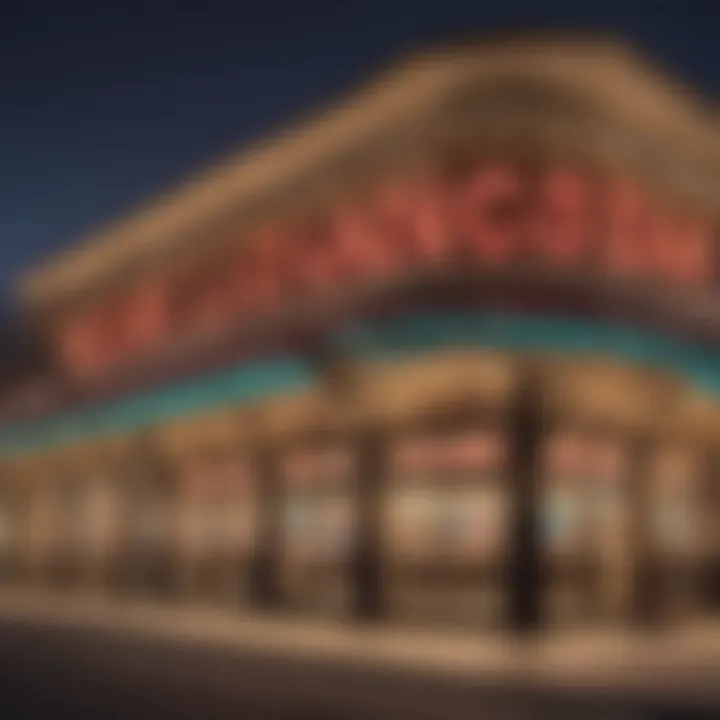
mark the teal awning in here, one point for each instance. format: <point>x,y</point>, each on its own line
<point>371,340</point>
<point>239,385</point>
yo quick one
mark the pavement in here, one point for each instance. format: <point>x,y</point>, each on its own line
<point>675,668</point>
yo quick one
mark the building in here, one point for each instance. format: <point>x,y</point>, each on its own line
<point>448,352</point>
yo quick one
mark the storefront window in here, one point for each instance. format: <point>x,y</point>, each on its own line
<point>447,499</point>
<point>218,514</point>
<point>566,498</point>
<point>585,516</point>
<point>318,528</point>
<point>318,505</point>
<point>7,534</point>
<point>675,503</point>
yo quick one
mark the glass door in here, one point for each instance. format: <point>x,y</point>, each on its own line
<point>8,535</point>
<point>565,527</point>
<point>446,522</point>
<point>149,533</point>
<point>586,527</point>
<point>318,528</point>
<point>217,529</point>
<point>677,531</point>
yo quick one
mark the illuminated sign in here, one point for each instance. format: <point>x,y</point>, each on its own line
<point>495,215</point>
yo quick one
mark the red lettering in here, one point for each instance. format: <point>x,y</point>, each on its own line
<point>419,218</point>
<point>212,301</point>
<point>645,239</point>
<point>401,224</point>
<point>391,212</point>
<point>88,344</point>
<point>629,244</point>
<point>559,222</point>
<point>116,331</point>
<point>486,213</point>
<point>233,280</point>
<point>683,249</point>
<point>76,346</point>
<point>360,245</point>
<point>663,241</point>
<point>261,281</point>
<point>319,264</point>
<point>146,318</point>
<point>695,260</point>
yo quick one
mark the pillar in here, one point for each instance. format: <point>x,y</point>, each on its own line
<point>646,604</point>
<point>156,483</point>
<point>526,431</point>
<point>339,376</point>
<point>265,586</point>
<point>366,564</point>
<point>713,556</point>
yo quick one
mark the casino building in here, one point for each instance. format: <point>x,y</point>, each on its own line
<point>448,353</point>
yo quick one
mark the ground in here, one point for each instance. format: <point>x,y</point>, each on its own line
<point>94,663</point>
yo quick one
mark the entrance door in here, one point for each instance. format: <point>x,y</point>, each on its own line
<point>610,530</point>
<point>318,529</point>
<point>149,535</point>
<point>677,530</point>
<point>8,535</point>
<point>217,529</point>
<point>98,529</point>
<point>446,521</point>
<point>66,500</point>
<point>41,534</point>
<point>585,526</point>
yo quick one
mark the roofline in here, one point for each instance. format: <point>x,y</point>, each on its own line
<point>416,82</point>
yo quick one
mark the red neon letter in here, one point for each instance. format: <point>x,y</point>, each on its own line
<point>486,213</point>
<point>629,243</point>
<point>683,249</point>
<point>560,213</point>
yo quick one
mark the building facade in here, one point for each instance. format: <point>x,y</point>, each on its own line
<point>448,353</point>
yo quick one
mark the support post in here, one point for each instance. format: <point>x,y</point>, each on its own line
<point>713,558</point>
<point>366,567</point>
<point>159,570</point>
<point>645,610</point>
<point>526,429</point>
<point>339,375</point>
<point>265,587</point>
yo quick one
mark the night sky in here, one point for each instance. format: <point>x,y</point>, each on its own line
<point>104,105</point>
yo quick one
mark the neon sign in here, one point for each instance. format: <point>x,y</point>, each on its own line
<point>495,215</point>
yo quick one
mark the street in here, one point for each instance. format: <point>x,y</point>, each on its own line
<point>51,671</point>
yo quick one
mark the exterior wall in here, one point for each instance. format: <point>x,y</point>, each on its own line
<point>438,433</point>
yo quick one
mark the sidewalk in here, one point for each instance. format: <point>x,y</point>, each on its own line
<point>682,663</point>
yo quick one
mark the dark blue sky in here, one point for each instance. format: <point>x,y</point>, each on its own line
<point>105,104</point>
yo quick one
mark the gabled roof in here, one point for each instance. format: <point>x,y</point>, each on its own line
<point>606,74</point>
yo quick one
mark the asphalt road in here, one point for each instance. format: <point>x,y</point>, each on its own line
<point>71,672</point>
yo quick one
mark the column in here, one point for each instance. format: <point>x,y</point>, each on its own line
<point>526,431</point>
<point>158,488</point>
<point>366,568</point>
<point>645,607</point>
<point>713,539</point>
<point>265,590</point>
<point>7,531</point>
<point>340,378</point>
<point>120,576</point>
<point>105,520</point>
